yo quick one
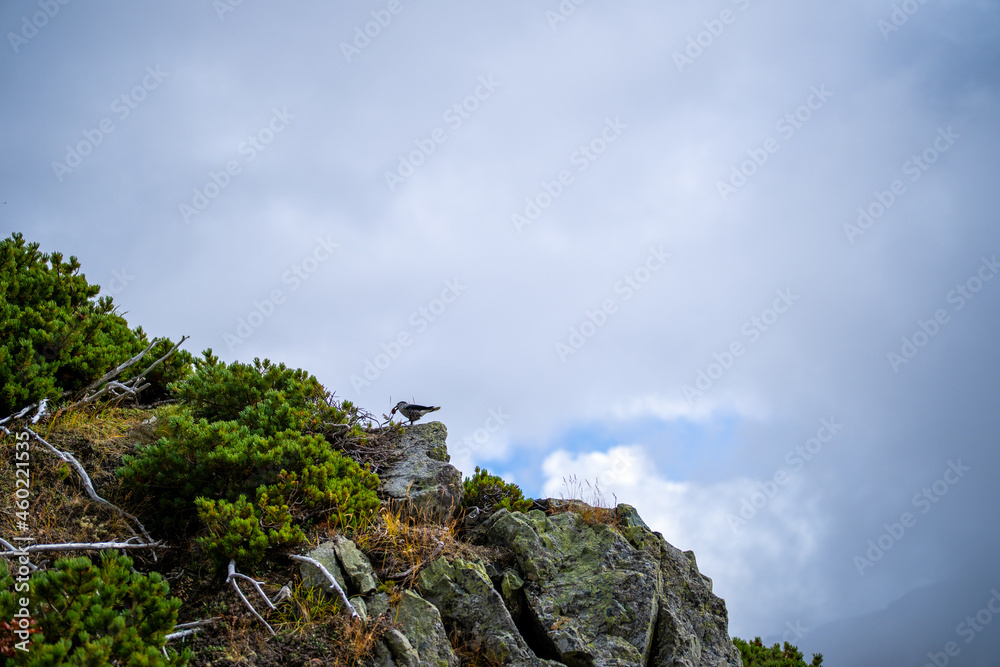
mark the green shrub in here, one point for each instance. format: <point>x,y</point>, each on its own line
<point>490,493</point>
<point>220,392</point>
<point>269,448</point>
<point>236,530</point>
<point>55,337</point>
<point>90,614</point>
<point>755,654</point>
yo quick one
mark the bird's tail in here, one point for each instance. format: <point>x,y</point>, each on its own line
<point>434,409</point>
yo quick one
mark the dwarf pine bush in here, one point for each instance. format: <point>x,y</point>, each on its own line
<point>92,614</point>
<point>56,337</point>
<point>249,458</point>
<point>755,654</point>
<point>490,493</point>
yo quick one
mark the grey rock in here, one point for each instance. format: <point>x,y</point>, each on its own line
<point>351,568</point>
<point>356,566</point>
<point>607,595</point>
<point>423,483</point>
<point>469,604</point>
<point>383,656</point>
<point>593,592</point>
<point>693,626</point>
<point>378,604</point>
<point>313,577</point>
<point>361,607</point>
<point>401,649</point>
<point>421,623</point>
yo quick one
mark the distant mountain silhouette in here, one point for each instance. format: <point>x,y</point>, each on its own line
<point>923,621</point>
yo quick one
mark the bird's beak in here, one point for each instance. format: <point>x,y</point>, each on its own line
<point>393,411</point>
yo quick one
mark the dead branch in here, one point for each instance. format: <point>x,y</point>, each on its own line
<point>333,582</point>
<point>115,372</point>
<point>17,552</point>
<point>42,405</point>
<point>20,414</point>
<point>77,546</point>
<point>131,387</point>
<point>234,575</point>
<point>89,486</point>
<point>187,629</point>
<point>143,374</point>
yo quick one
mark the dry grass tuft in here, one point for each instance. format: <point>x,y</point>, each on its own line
<point>588,502</point>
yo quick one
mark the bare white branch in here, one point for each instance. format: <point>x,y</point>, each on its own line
<point>116,371</point>
<point>76,546</point>
<point>333,582</point>
<point>143,374</point>
<point>187,629</point>
<point>41,410</point>
<point>89,485</point>
<point>133,386</point>
<point>233,575</point>
<point>17,552</point>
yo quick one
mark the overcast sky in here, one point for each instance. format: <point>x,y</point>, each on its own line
<point>731,261</point>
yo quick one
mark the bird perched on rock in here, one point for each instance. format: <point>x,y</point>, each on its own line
<point>411,411</point>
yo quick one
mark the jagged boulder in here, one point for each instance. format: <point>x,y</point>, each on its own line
<point>693,625</point>
<point>603,599</point>
<point>356,566</point>
<point>423,482</point>
<point>587,586</point>
<point>464,594</point>
<point>421,622</point>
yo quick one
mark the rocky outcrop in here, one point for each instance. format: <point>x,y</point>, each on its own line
<point>464,594</point>
<point>592,591</point>
<point>575,591</point>
<point>422,482</point>
<point>610,595</point>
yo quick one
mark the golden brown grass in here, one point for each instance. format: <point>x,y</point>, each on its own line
<point>59,508</point>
